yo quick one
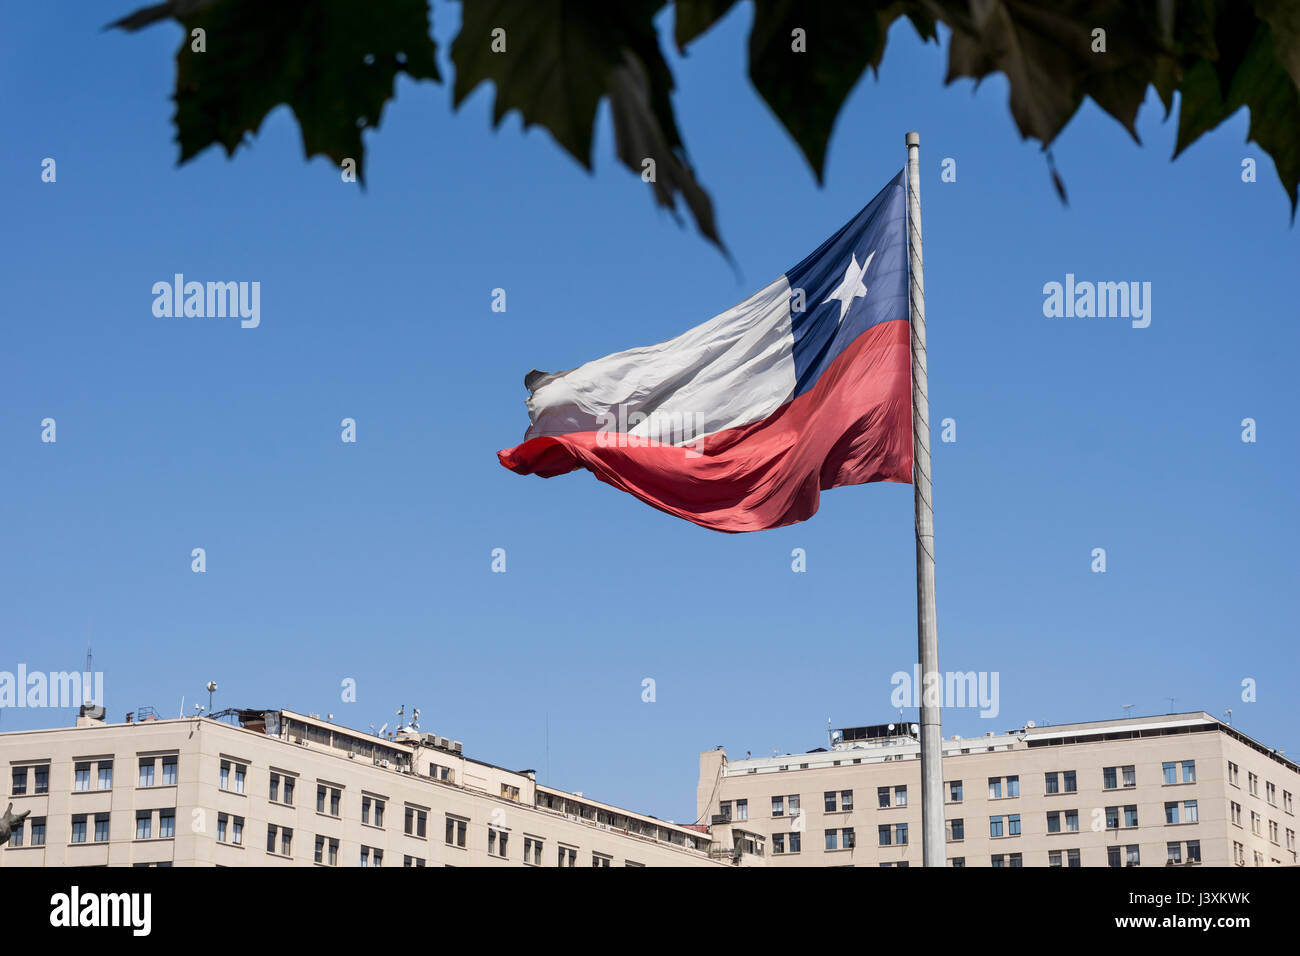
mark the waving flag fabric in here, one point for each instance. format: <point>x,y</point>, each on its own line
<point>740,423</point>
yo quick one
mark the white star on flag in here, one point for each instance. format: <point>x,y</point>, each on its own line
<point>851,288</point>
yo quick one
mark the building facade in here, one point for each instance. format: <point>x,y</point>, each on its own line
<point>1174,790</point>
<point>278,788</point>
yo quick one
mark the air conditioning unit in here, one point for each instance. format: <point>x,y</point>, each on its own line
<point>443,743</point>
<point>457,746</point>
<point>352,755</point>
<point>383,763</point>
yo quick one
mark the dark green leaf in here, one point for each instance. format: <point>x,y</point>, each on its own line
<point>333,62</point>
<point>560,58</point>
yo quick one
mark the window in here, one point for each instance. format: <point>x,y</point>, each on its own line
<point>724,810</point>
<point>1069,782</point>
<point>846,800</point>
<point>372,856</point>
<point>1272,831</point>
<point>778,806</point>
<point>38,831</point>
<point>1252,782</point>
<point>1234,812</point>
<point>599,860</point>
<point>288,790</point>
<point>81,777</point>
<point>742,809</point>
<point>327,851</point>
<point>223,824</point>
<point>20,782</point>
<point>147,765</point>
<point>1131,856</point>
<point>456,829</point>
<point>1255,819</point>
<point>832,806</point>
<point>79,827</point>
<point>1270,793</point>
<point>106,775</point>
<point>568,856</point>
<point>1175,853</point>
<point>792,804</point>
<point>233,775</point>
<point>995,826</point>
<point>1287,804</point>
<point>412,861</point>
<point>1007,860</point>
<point>372,811</point>
<point>415,823</point>
<point>237,830</point>
<point>956,830</point>
<point>778,842</point>
<point>1013,825</point>
<point>1232,774</point>
<point>1004,786</point>
<point>167,823</point>
<point>533,851</point>
<point>272,838</point>
<point>509,793</point>
<point>1052,784</point>
<point>1114,856</point>
<point>1054,825</point>
<point>796,842</point>
<point>16,835</point>
<point>882,797</point>
<point>1112,777</point>
<point>958,862</point>
<point>1193,851</point>
<point>42,780</point>
<point>954,791</point>
<point>1055,857</point>
<point>101,827</point>
<point>273,791</point>
<point>497,842</point>
<point>330,797</point>
<point>848,838</point>
<point>169,771</point>
<point>1131,815</point>
<point>1188,814</point>
<point>143,824</point>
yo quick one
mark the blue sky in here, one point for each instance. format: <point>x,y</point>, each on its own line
<point>371,561</point>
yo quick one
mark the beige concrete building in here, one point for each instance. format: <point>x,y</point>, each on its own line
<point>1174,790</point>
<point>277,788</point>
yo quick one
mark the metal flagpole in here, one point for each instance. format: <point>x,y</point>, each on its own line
<point>927,634</point>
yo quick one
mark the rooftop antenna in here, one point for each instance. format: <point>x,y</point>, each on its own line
<point>90,669</point>
<point>1127,708</point>
<point>401,716</point>
<point>382,728</point>
<point>415,719</point>
<point>212,689</point>
<point>1171,703</point>
<point>1228,715</point>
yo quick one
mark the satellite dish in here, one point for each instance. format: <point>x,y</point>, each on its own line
<point>1030,723</point>
<point>891,726</point>
<point>383,728</point>
<point>916,729</point>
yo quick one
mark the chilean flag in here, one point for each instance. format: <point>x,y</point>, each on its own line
<point>739,423</point>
